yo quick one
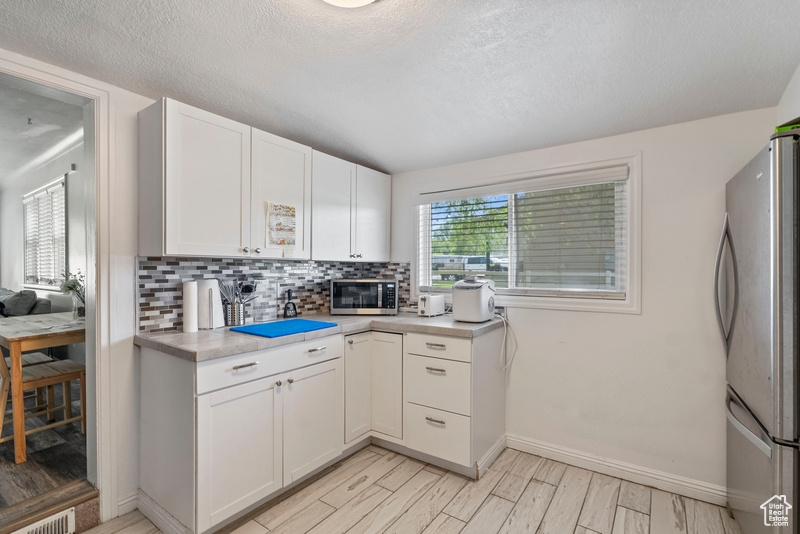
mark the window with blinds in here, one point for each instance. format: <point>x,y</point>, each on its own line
<point>45,228</point>
<point>568,241</point>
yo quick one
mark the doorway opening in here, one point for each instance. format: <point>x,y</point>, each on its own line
<point>47,191</point>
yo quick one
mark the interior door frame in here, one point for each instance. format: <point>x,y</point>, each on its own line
<point>101,446</point>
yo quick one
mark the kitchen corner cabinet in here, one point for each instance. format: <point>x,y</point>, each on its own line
<point>209,182</point>
<point>373,385</point>
<point>350,211</point>
<point>222,435</point>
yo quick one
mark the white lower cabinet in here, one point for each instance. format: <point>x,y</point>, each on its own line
<point>439,433</point>
<point>373,385</point>
<point>238,449</point>
<point>387,384</point>
<point>454,397</point>
<point>357,386</point>
<point>312,418</point>
<point>220,436</point>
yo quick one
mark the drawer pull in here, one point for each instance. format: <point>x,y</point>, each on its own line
<point>291,380</point>
<point>432,420</point>
<point>437,370</point>
<point>318,349</point>
<point>436,345</point>
<point>278,383</point>
<point>244,366</point>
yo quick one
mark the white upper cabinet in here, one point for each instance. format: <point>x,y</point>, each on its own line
<point>280,210</point>
<point>194,182</point>
<point>332,183</point>
<point>351,206</point>
<point>202,194</point>
<point>371,215</point>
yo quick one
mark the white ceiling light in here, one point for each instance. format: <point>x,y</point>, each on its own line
<point>348,3</point>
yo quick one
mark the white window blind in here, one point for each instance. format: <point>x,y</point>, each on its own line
<point>566,241</point>
<point>45,228</point>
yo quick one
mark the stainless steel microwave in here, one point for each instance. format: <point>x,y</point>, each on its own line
<point>364,297</point>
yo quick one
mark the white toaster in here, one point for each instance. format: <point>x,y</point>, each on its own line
<point>431,305</point>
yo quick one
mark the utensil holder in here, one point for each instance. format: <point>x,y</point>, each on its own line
<point>234,314</point>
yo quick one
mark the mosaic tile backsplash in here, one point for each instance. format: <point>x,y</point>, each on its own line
<point>160,285</point>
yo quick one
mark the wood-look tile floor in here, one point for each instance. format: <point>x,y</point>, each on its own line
<point>378,491</point>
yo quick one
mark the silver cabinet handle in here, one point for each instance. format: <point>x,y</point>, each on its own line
<point>246,249</point>
<point>244,366</point>
<point>279,383</point>
<point>291,380</point>
<point>318,349</point>
<point>352,255</point>
<point>258,251</point>
<point>437,370</point>
<point>436,345</point>
<point>359,255</point>
<point>432,420</point>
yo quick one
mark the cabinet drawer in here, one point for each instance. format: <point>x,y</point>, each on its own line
<point>231,370</point>
<point>442,434</point>
<point>442,384</point>
<point>449,348</point>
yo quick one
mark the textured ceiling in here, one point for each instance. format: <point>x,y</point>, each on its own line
<point>408,84</point>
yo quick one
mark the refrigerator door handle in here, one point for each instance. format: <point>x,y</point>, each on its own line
<point>726,237</point>
<point>764,446</point>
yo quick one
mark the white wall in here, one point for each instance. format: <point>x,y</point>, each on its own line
<point>12,275</point>
<point>124,244</point>
<point>647,389</point>
<point>789,106</point>
<point>116,375</point>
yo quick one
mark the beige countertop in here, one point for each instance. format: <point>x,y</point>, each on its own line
<point>218,343</point>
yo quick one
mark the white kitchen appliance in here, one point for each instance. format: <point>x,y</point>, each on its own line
<point>473,299</point>
<point>431,305</point>
<point>209,305</point>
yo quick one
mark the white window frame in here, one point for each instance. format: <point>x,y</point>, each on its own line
<point>58,182</point>
<point>543,179</point>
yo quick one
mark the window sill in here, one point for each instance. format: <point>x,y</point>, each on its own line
<point>629,305</point>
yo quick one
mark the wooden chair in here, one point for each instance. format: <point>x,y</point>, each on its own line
<point>34,358</point>
<point>44,374</point>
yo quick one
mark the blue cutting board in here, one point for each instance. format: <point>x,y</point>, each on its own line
<point>283,328</point>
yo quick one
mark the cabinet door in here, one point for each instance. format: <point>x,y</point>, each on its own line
<point>312,418</point>
<point>331,185</point>
<point>387,384</point>
<point>281,177</point>
<point>207,186</point>
<point>357,390</point>
<point>238,449</point>
<point>373,206</point>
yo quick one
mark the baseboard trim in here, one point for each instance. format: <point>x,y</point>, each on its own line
<point>491,455</point>
<point>160,517</point>
<point>128,504</point>
<point>687,487</point>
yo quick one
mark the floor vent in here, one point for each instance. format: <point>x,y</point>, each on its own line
<point>60,523</point>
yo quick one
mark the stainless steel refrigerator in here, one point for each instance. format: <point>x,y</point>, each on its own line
<point>756,284</point>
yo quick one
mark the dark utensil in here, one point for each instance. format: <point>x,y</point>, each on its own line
<point>289,310</point>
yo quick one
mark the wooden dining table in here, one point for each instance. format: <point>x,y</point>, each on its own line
<point>24,333</point>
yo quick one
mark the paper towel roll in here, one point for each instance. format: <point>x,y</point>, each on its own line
<point>190,306</point>
<point>209,305</point>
